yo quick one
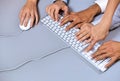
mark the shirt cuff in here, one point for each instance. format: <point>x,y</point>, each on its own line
<point>66,1</point>
<point>102,4</point>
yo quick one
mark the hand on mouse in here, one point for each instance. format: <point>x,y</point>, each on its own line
<point>29,12</point>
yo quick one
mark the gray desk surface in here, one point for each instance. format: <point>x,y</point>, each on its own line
<point>17,46</point>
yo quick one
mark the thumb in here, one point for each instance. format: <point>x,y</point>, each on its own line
<point>90,46</point>
<point>79,25</point>
<point>66,11</point>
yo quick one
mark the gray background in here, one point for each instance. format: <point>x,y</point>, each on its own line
<point>17,46</point>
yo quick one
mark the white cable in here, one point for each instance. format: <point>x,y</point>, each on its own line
<point>4,36</point>
<point>31,60</point>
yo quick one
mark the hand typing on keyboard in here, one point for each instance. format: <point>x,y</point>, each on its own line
<point>110,49</point>
<point>84,33</point>
<point>54,9</point>
<point>94,33</point>
<point>78,18</point>
<point>69,37</point>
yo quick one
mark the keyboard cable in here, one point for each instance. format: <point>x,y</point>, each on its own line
<point>31,60</point>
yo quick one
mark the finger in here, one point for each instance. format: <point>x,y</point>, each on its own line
<point>26,20</point>
<point>36,17</point>
<point>22,18</point>
<point>85,37</point>
<point>80,32</point>
<point>52,13</point>
<point>32,20</point>
<point>99,52</point>
<point>90,46</point>
<point>48,10</point>
<point>82,35</point>
<point>72,12</point>
<point>108,42</point>
<point>70,26</point>
<point>102,47</point>
<point>112,61</point>
<point>102,56</point>
<point>66,11</point>
<point>20,14</point>
<point>65,20</point>
<point>79,25</point>
<point>89,40</point>
<point>56,14</point>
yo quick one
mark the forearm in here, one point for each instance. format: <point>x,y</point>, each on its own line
<point>88,14</point>
<point>109,12</point>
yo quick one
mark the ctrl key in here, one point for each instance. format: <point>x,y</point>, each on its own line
<point>102,65</point>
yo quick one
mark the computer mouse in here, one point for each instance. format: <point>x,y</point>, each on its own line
<point>22,27</point>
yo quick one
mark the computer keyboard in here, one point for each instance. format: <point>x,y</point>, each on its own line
<point>70,38</point>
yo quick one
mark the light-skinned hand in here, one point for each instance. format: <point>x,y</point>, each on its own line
<point>54,9</point>
<point>29,11</point>
<point>110,49</point>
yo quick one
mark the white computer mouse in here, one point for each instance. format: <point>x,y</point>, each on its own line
<point>22,27</point>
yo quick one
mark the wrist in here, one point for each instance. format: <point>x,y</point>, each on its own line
<point>32,1</point>
<point>60,1</point>
<point>94,10</point>
<point>104,26</point>
<point>107,21</point>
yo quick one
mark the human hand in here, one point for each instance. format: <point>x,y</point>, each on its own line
<point>54,9</point>
<point>84,33</point>
<point>92,34</point>
<point>76,18</point>
<point>98,33</point>
<point>110,49</point>
<point>79,18</point>
<point>29,11</point>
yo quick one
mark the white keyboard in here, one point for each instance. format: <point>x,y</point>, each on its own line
<point>70,38</point>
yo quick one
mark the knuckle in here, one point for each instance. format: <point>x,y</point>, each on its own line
<point>77,19</point>
<point>25,22</point>
<point>56,6</point>
<point>66,8</point>
<point>94,39</point>
<point>110,41</point>
<point>85,24</point>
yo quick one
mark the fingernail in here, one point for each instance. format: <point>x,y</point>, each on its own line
<point>66,29</point>
<point>77,38</point>
<point>76,33</point>
<point>60,24</point>
<point>86,50</point>
<point>76,27</point>
<point>80,40</point>
<point>56,19</point>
